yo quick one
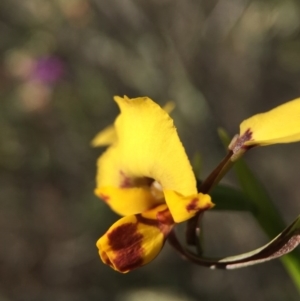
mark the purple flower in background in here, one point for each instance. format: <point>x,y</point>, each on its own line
<point>48,70</point>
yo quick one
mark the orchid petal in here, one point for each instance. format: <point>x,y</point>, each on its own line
<point>134,240</point>
<point>280,125</point>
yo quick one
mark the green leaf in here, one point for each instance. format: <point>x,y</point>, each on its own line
<point>197,164</point>
<point>266,214</point>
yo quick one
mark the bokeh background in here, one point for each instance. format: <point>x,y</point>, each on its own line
<point>61,62</point>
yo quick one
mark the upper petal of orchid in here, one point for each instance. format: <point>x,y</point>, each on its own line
<point>280,125</point>
<point>108,135</point>
<point>148,146</point>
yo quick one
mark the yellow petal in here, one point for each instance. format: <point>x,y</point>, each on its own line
<point>280,125</point>
<point>131,242</point>
<point>106,137</point>
<point>152,213</point>
<point>128,201</point>
<point>183,208</point>
<point>148,146</point>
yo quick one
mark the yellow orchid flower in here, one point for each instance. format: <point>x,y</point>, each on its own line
<point>146,177</point>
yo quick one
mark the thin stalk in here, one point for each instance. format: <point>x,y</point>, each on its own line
<point>193,228</point>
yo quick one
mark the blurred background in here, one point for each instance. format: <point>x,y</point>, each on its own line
<point>61,62</point>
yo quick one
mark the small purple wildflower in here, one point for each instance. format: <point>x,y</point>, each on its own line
<point>48,70</point>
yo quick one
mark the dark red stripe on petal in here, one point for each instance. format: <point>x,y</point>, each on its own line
<point>165,217</point>
<point>104,197</point>
<point>164,221</point>
<point>239,143</point>
<point>125,182</point>
<point>126,242</point>
<point>192,206</point>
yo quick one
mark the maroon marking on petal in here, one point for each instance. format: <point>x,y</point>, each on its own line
<point>104,197</point>
<point>165,217</point>
<point>192,206</point>
<point>125,181</point>
<point>126,242</point>
<point>164,221</point>
<point>129,182</point>
<point>247,136</point>
<point>147,221</point>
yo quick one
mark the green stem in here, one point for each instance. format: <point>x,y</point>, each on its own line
<point>217,174</point>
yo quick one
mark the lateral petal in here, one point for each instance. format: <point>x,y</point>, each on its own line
<point>279,125</point>
<point>183,208</point>
<point>128,201</point>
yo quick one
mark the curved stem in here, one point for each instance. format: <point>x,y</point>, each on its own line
<point>193,228</point>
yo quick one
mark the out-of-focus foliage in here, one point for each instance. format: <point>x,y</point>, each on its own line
<point>61,63</point>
